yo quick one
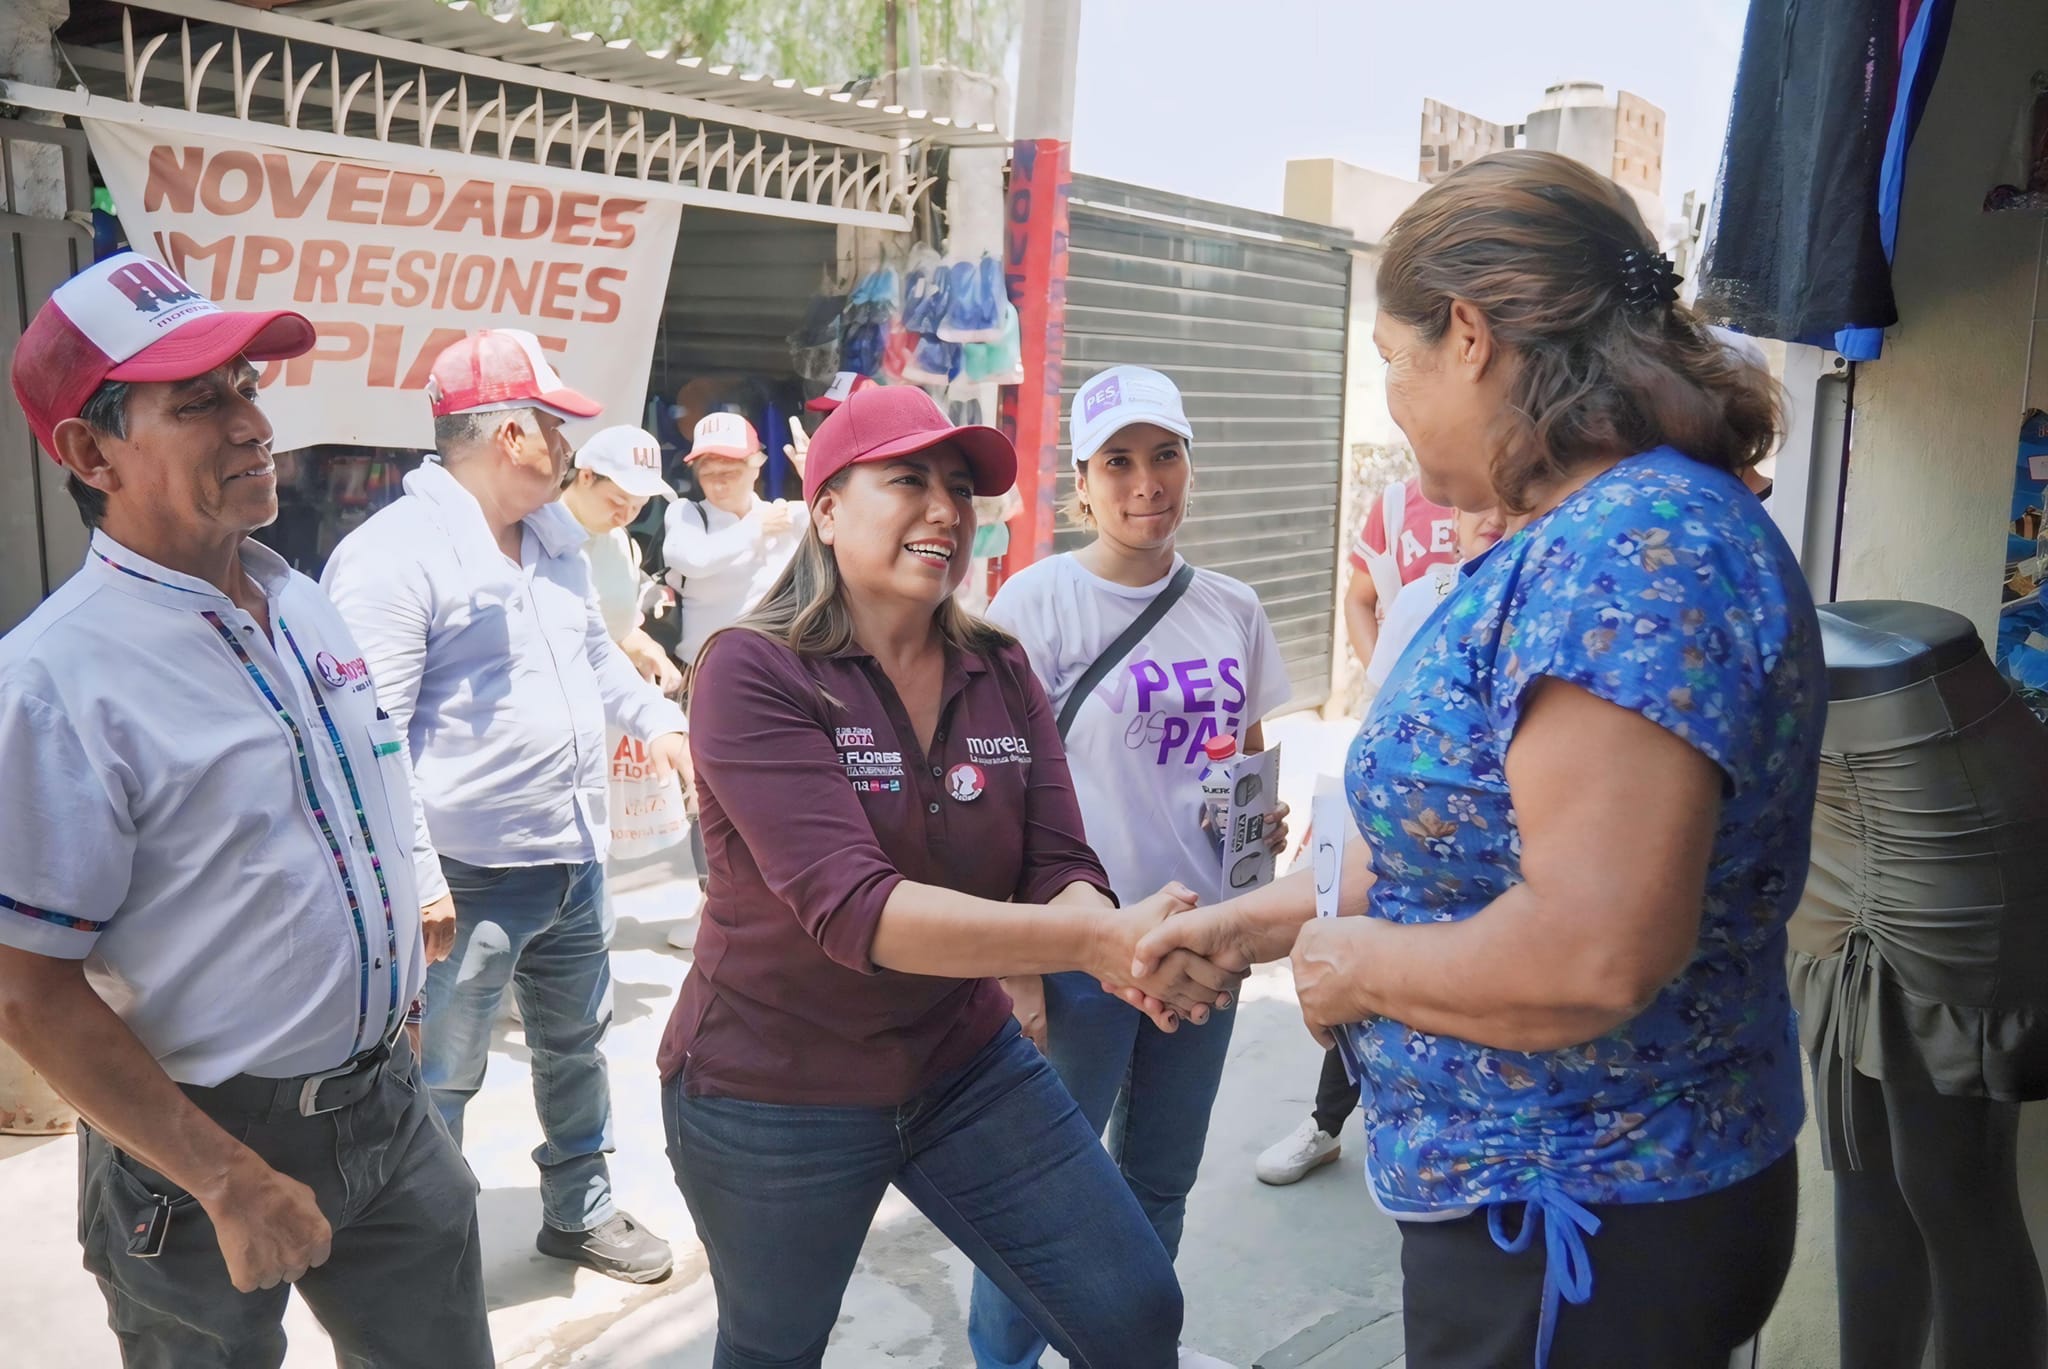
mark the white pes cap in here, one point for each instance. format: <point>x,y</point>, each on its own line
<point>1115,399</point>
<point>629,457</point>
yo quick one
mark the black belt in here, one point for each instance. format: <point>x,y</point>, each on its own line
<point>306,1095</point>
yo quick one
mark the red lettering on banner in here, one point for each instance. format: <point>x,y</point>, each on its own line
<point>473,283</point>
<point>183,252</point>
<point>413,284</point>
<point>173,178</point>
<point>517,200</point>
<point>575,212</point>
<point>385,341</point>
<point>471,206</point>
<point>213,191</point>
<point>612,219</point>
<point>366,282</point>
<point>357,191</point>
<point>261,256</point>
<point>558,300</point>
<point>398,210</point>
<point>290,202</point>
<point>320,263</point>
<point>610,303</point>
<point>333,342</point>
<point>516,292</point>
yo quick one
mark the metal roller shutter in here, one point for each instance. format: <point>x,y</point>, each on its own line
<point>1247,313</point>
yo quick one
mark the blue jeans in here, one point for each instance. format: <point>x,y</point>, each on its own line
<point>1151,1091</point>
<point>997,1156</point>
<point>545,930</point>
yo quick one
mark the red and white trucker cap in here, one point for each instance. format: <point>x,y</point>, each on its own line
<point>724,434</point>
<point>129,318</point>
<point>843,385</point>
<point>502,368</point>
<point>629,457</point>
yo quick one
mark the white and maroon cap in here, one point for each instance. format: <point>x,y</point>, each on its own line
<point>724,434</point>
<point>843,385</point>
<point>629,457</point>
<point>502,368</point>
<point>131,319</point>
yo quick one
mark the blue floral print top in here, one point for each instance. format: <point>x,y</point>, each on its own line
<point>1662,587</point>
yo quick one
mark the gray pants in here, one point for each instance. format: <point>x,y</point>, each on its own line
<point>402,1288</point>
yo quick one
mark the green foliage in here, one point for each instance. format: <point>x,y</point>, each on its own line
<point>816,42</point>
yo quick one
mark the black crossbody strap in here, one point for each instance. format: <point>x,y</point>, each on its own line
<point>1112,655</point>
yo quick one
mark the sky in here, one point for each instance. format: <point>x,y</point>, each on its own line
<point>1210,98</point>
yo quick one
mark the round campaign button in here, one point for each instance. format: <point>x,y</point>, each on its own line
<point>965,782</point>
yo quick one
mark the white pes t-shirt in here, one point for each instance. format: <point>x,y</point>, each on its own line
<point>1211,665</point>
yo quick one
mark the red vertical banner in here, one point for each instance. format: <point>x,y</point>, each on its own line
<point>1035,263</point>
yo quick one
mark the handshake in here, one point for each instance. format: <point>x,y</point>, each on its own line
<point>1169,961</point>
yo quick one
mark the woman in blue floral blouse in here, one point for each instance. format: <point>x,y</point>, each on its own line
<point>1584,808</point>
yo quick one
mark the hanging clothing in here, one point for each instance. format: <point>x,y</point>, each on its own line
<point>1827,100</point>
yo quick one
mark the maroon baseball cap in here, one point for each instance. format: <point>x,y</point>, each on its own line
<point>888,421</point>
<point>132,319</point>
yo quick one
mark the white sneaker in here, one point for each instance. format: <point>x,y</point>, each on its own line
<point>1195,1359</point>
<point>1307,1147</point>
<point>683,936</point>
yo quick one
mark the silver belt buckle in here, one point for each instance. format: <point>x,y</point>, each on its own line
<point>309,1091</point>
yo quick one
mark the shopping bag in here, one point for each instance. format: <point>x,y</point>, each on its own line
<point>647,810</point>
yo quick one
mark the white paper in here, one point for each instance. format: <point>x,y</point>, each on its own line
<point>1248,861</point>
<point>1329,821</point>
<point>2037,467</point>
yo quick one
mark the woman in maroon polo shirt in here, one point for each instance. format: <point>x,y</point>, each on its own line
<point>890,825</point>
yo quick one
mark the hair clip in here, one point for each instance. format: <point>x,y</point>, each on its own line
<point>1647,280</point>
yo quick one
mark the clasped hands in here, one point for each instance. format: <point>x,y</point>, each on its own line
<point>1191,946</point>
<point>1179,984</point>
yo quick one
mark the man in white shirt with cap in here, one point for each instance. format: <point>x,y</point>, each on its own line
<point>725,551</point>
<point>209,933</point>
<point>473,602</point>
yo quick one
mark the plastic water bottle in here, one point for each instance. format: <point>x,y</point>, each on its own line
<point>1216,780</point>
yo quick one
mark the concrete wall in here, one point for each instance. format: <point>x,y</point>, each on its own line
<point>1930,475</point>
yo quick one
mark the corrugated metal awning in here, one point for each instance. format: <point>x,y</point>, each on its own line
<point>464,27</point>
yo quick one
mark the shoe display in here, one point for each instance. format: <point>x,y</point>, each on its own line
<point>1306,1148</point>
<point>618,1248</point>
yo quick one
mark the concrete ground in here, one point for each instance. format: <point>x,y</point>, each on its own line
<point>1298,1278</point>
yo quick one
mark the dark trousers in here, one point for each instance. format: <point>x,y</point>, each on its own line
<point>402,1289</point>
<point>1929,1236</point>
<point>1336,1095</point>
<point>997,1156</point>
<point>1677,1285</point>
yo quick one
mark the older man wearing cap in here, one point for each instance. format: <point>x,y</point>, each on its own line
<point>724,551</point>
<point>474,605</point>
<point>208,941</point>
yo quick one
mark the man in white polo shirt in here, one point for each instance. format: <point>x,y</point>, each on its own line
<point>725,551</point>
<point>209,932</point>
<point>473,602</point>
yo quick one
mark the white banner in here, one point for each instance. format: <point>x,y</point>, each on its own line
<point>392,265</point>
